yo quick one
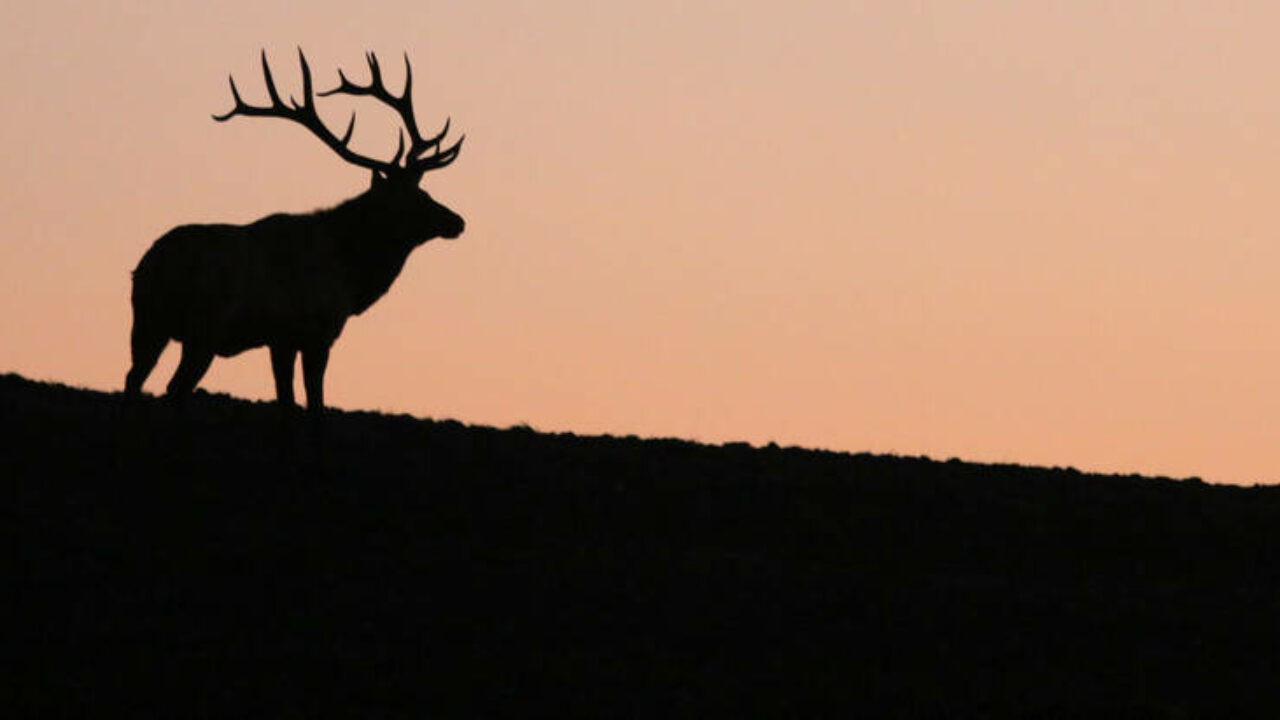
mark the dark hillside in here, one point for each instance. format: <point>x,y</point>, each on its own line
<point>227,561</point>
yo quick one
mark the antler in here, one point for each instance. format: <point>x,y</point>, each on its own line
<point>304,113</point>
<point>417,158</point>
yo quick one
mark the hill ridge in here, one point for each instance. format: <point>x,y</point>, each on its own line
<point>16,389</point>
<point>256,564</point>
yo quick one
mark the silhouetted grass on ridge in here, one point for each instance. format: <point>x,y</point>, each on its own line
<point>415,564</point>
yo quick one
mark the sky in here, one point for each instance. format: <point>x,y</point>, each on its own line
<point>1006,231</point>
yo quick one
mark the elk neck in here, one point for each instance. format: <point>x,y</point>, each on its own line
<point>371,246</point>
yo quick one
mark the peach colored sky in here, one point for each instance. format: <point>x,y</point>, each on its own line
<point>1007,231</point>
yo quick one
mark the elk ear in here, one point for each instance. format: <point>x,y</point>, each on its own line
<point>378,178</point>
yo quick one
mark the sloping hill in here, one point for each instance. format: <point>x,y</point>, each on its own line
<point>226,560</point>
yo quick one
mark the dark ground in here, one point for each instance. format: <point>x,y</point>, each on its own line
<point>226,562</point>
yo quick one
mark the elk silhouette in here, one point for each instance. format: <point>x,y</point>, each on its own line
<point>290,282</point>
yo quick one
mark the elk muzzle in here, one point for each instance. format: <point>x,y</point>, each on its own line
<point>452,227</point>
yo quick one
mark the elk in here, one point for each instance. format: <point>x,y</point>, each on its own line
<point>290,281</point>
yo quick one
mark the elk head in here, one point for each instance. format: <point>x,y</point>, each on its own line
<point>395,190</point>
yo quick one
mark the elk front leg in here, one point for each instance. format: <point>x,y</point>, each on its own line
<point>314,361</point>
<point>282,361</point>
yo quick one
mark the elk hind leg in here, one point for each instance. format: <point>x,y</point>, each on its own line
<point>146,347</point>
<point>193,365</point>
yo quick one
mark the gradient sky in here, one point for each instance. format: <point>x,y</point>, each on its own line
<point>1032,232</point>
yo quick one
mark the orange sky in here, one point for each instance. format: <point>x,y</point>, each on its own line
<point>1002,231</point>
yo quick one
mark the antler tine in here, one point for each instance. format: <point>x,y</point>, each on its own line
<point>344,85</point>
<point>439,159</point>
<point>408,78</point>
<point>435,140</point>
<point>375,72</point>
<point>351,128</point>
<point>405,106</point>
<point>235,95</point>
<point>307,99</point>
<point>399,147</point>
<point>271,84</point>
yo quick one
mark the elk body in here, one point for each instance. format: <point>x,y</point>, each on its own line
<point>289,282</point>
